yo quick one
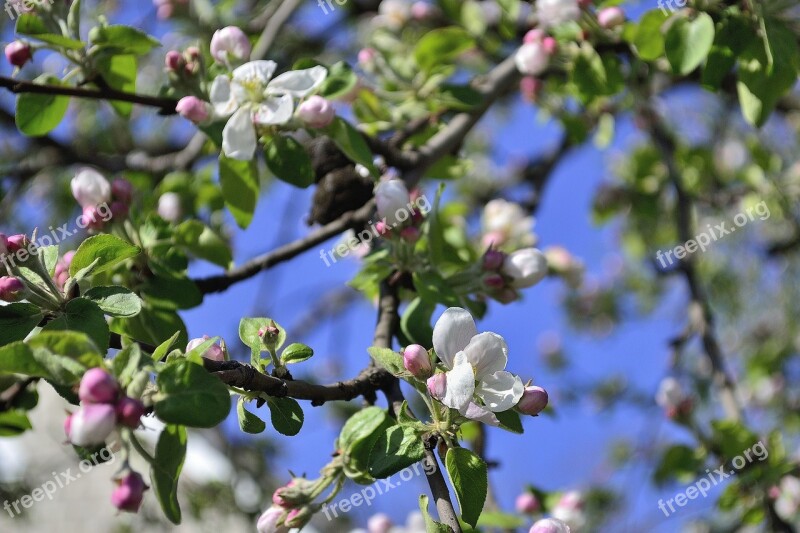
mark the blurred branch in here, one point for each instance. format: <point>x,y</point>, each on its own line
<point>273,26</point>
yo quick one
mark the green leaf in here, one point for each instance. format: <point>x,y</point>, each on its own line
<point>358,451</point>
<point>647,38</point>
<point>441,45</point>
<point>119,72</point>
<point>13,423</point>
<point>17,320</point>
<point>679,463</point>
<point>397,448</point>
<point>172,291</point>
<point>687,43</point>
<point>361,425</point>
<point>340,81</point>
<point>85,316</point>
<point>72,344</point>
<point>17,358</point>
<point>288,161</point>
<point>188,395</point>
<point>152,325</point>
<point>416,322</point>
<point>39,114</point>
<point>388,359</point>
<point>469,477</point>
<point>431,525</point>
<point>248,333</point>
<point>286,415</point>
<point>510,421</point>
<point>732,37</point>
<point>248,422</point>
<point>122,39</point>
<point>166,470</point>
<point>128,362</point>
<point>240,188</point>
<point>732,437</point>
<point>500,520</point>
<point>115,300</point>
<point>296,353</point>
<point>203,242</point>
<point>30,24</point>
<point>108,249</point>
<point>351,142</point>
<point>163,348</point>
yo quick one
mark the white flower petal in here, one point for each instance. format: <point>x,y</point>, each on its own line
<point>460,387</point>
<point>239,136</point>
<point>255,71</point>
<point>275,110</point>
<point>488,353</point>
<point>500,391</point>
<point>452,333</point>
<point>298,83</point>
<point>475,412</point>
<point>222,97</point>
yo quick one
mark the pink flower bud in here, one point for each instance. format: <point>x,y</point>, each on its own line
<point>534,400</point>
<point>530,88</point>
<point>493,238</point>
<point>494,281</point>
<point>533,36</point>
<point>129,493</point>
<point>316,112</point>
<point>98,386</point>
<point>122,190</point>
<point>297,518</point>
<point>18,53</point>
<point>526,503</point>
<point>11,289</point>
<point>379,523</point>
<point>90,188</point>
<point>18,242</point>
<point>550,525</point>
<point>92,424</point>
<point>493,260</point>
<point>506,295</point>
<point>410,234</point>
<point>194,109</point>
<point>611,17</point>
<point>130,412</point>
<point>215,352</point>
<point>532,58</point>
<point>366,58</point>
<point>91,218</point>
<point>230,45</point>
<point>417,361</point>
<point>174,61</point>
<point>271,521</point>
<point>420,11</point>
<point>437,385</point>
<point>550,45</point>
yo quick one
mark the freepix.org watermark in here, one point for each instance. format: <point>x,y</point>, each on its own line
<point>703,485</point>
<point>59,481</point>
<point>379,488</point>
<point>18,7</point>
<point>420,205</point>
<point>55,236</point>
<point>702,240</point>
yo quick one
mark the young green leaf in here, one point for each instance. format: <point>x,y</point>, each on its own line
<point>108,249</point>
<point>166,469</point>
<point>687,43</point>
<point>397,448</point>
<point>115,301</point>
<point>17,320</point>
<point>288,161</point>
<point>39,114</point>
<point>240,188</point>
<point>188,395</point>
<point>286,415</point>
<point>296,353</point>
<point>469,477</point>
<point>248,422</point>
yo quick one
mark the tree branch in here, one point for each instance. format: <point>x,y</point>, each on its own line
<point>166,105</point>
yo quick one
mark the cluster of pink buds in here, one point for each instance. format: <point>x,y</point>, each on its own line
<point>291,507</point>
<point>61,273</point>
<point>103,407</point>
<point>189,63</point>
<point>505,273</point>
<point>18,53</point>
<point>401,212</point>
<point>611,17</point>
<point>101,201</point>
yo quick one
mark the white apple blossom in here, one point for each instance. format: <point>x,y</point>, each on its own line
<point>555,12</point>
<point>525,267</point>
<point>90,188</point>
<point>476,365</point>
<point>392,197</point>
<point>505,224</point>
<point>670,393</point>
<point>569,510</point>
<point>532,58</point>
<point>252,98</point>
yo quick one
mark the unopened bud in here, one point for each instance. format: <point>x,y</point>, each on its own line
<point>12,289</point>
<point>129,493</point>
<point>98,386</point>
<point>437,385</point>
<point>417,361</point>
<point>18,53</point>
<point>534,400</point>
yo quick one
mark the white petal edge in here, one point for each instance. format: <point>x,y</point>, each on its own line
<point>222,98</point>
<point>488,353</point>
<point>500,391</point>
<point>451,334</point>
<point>275,110</point>
<point>239,136</point>
<point>260,70</point>
<point>460,387</point>
<point>475,412</point>
<point>298,83</point>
